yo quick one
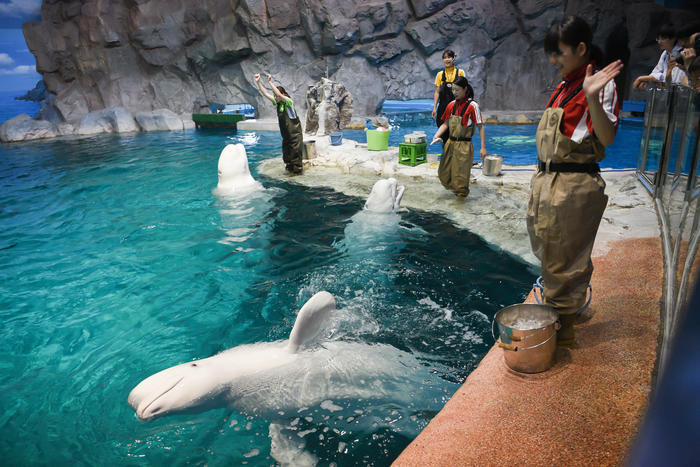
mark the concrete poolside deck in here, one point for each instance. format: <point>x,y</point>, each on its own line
<point>586,409</point>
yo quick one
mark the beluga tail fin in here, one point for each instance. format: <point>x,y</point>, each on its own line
<point>310,318</point>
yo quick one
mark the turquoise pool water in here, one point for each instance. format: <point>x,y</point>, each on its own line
<point>117,261</point>
<point>516,143</point>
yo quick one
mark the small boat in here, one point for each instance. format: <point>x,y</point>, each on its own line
<point>217,120</point>
<point>224,116</point>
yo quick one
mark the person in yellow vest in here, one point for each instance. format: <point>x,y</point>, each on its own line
<point>460,118</point>
<point>567,196</point>
<point>443,85</point>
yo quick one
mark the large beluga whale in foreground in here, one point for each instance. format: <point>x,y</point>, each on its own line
<point>269,378</point>
<point>234,173</point>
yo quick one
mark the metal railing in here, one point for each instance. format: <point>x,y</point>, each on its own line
<point>668,169</point>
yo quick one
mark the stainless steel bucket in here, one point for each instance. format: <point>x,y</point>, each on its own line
<point>527,334</point>
<point>309,150</point>
<point>492,165</point>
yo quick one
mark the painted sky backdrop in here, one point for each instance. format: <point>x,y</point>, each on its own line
<point>17,64</point>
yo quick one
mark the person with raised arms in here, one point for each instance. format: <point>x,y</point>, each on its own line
<point>290,125</point>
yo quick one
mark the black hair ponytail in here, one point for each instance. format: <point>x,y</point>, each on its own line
<point>597,55</point>
<point>282,91</point>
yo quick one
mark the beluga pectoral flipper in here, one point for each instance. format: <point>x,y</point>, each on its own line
<point>310,319</point>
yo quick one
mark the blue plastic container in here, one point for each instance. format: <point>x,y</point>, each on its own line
<point>336,138</point>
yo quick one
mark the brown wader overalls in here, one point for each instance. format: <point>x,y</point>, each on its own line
<point>457,155</point>
<point>564,212</point>
<point>292,137</point>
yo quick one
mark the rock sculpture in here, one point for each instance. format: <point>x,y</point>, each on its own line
<point>329,107</point>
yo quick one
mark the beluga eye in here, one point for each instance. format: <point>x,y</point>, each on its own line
<point>193,364</point>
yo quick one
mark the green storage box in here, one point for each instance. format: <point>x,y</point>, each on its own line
<point>377,140</point>
<point>413,154</point>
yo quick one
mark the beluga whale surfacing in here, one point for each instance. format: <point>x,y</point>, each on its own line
<point>375,230</point>
<point>234,172</point>
<point>385,196</point>
<point>268,378</point>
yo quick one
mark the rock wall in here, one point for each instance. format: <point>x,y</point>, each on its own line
<point>184,55</point>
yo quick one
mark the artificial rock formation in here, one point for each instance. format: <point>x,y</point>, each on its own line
<point>329,107</point>
<point>37,94</point>
<point>184,55</point>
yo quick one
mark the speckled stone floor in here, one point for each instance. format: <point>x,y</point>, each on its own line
<point>587,408</point>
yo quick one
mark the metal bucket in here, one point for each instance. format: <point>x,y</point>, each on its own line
<point>527,335</point>
<point>309,149</point>
<point>492,165</point>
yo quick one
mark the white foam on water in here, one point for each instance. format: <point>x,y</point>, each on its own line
<point>288,449</point>
<point>330,406</point>
<point>252,453</point>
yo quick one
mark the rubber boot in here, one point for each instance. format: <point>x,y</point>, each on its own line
<point>565,335</point>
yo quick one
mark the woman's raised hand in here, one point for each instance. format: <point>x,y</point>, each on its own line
<point>593,83</point>
<point>257,77</point>
<point>269,77</point>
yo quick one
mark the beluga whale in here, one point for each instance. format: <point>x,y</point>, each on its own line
<point>269,378</point>
<point>234,173</point>
<point>385,196</point>
<point>376,228</point>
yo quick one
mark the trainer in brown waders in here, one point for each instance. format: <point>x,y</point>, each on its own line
<point>567,197</point>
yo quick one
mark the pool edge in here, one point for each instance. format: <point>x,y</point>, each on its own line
<point>586,409</point>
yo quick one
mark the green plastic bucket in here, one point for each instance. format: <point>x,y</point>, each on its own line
<point>377,140</point>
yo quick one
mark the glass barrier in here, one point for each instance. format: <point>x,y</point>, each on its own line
<point>668,167</point>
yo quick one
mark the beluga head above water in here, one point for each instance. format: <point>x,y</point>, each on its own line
<point>234,173</point>
<point>226,378</point>
<point>385,196</point>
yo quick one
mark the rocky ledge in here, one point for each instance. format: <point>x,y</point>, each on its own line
<point>116,120</point>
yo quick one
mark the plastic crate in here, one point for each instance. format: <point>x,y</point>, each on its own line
<point>413,154</point>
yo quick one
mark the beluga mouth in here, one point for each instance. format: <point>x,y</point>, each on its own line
<point>142,407</point>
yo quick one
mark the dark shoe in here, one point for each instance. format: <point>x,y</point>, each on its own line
<point>565,334</point>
